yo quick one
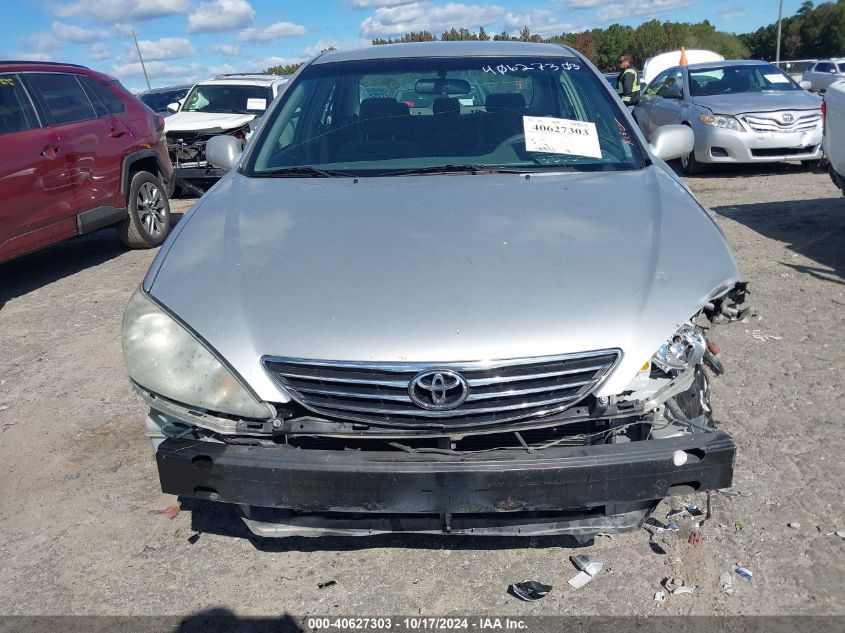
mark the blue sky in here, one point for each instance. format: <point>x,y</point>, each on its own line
<point>186,40</point>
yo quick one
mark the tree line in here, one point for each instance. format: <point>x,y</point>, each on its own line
<point>813,32</point>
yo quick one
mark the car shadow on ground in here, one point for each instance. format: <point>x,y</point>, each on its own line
<point>25,274</point>
<point>208,517</point>
<point>744,170</point>
<point>812,228</point>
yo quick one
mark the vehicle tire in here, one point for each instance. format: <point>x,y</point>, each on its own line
<point>147,221</point>
<point>690,166</point>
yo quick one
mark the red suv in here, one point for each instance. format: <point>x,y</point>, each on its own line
<point>78,152</point>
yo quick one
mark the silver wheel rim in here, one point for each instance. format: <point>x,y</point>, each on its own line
<point>151,210</point>
<point>685,162</point>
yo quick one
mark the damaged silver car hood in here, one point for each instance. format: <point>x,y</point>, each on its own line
<point>197,121</point>
<point>442,268</point>
<point>770,101</point>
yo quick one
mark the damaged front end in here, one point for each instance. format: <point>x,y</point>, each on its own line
<point>187,153</point>
<point>527,448</point>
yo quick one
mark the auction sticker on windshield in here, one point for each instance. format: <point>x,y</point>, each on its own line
<point>561,136</point>
<point>256,104</point>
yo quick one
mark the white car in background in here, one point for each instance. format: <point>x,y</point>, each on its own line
<point>226,104</point>
<point>824,72</point>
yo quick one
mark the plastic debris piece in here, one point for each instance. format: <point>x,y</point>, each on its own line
<point>171,512</point>
<point>744,573</point>
<point>587,563</point>
<point>193,538</point>
<point>579,580</point>
<point>676,513</point>
<point>659,596</point>
<point>612,537</point>
<point>653,525</point>
<point>328,583</point>
<point>677,586</point>
<point>695,538</point>
<point>840,533</point>
<point>693,510</point>
<point>794,525</point>
<point>726,580</point>
<point>672,527</point>
<point>530,590</point>
<point>737,527</point>
<point>656,548</point>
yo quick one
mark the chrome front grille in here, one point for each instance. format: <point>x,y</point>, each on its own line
<point>498,391</point>
<point>784,121</point>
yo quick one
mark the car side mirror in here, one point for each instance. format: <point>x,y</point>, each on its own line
<point>223,151</point>
<point>672,93</point>
<point>672,141</point>
<point>806,85</point>
<point>173,107</point>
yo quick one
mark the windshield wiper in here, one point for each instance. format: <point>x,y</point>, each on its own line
<point>455,169</point>
<point>300,171</point>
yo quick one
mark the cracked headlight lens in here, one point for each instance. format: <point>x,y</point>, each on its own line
<point>721,120</point>
<point>166,359</point>
<point>685,348</point>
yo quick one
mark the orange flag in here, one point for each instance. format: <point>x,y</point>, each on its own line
<point>683,61</point>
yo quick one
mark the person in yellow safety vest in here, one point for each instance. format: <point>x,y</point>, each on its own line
<point>628,82</point>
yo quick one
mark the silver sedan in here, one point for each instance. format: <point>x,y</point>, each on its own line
<point>740,112</point>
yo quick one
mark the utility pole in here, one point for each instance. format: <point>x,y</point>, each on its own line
<point>144,68</point>
<point>780,17</point>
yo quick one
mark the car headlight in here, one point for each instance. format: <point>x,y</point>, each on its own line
<point>722,120</point>
<point>684,349</point>
<point>166,359</point>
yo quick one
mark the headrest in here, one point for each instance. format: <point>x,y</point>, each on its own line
<point>446,105</point>
<point>505,101</point>
<point>379,107</point>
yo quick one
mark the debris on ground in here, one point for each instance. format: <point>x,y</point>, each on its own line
<point>839,533</point>
<point>589,566</point>
<point>744,573</point>
<point>656,548</point>
<point>193,538</point>
<point>737,527</point>
<point>530,590</point>
<point>328,583</point>
<point>672,527</point>
<point>726,580</point>
<point>612,537</point>
<point>171,512</point>
<point>693,510</point>
<point>653,525</point>
<point>794,525</point>
<point>677,586</point>
<point>659,596</point>
<point>758,334</point>
<point>695,538</point>
<point>688,511</point>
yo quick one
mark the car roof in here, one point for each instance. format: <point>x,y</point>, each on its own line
<point>164,89</point>
<point>243,80</point>
<point>728,62</point>
<point>447,49</point>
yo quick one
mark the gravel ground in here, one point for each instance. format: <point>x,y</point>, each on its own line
<point>81,513</point>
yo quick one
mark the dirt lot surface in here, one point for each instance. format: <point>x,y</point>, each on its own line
<point>81,513</point>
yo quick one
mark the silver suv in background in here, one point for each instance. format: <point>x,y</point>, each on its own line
<point>740,112</point>
<point>825,72</point>
<point>445,321</point>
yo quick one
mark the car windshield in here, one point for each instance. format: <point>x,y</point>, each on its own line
<point>228,98</point>
<point>158,101</point>
<point>733,79</point>
<point>388,116</point>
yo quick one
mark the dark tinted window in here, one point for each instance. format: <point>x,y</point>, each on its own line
<point>63,97</point>
<point>158,101</point>
<point>99,106</point>
<point>15,113</point>
<point>112,102</point>
<point>824,67</point>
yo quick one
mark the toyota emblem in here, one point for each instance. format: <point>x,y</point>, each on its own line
<point>438,390</point>
<point>787,118</point>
